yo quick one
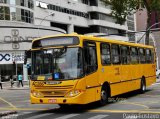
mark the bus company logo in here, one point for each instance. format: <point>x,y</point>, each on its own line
<point>5,57</point>
<point>38,84</point>
<point>52,93</point>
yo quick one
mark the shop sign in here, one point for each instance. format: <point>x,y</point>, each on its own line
<point>10,57</point>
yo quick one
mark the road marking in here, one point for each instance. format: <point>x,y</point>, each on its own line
<point>131,117</point>
<point>132,103</point>
<point>41,109</point>
<point>98,117</point>
<point>8,103</point>
<point>25,112</point>
<point>147,102</point>
<point>127,111</point>
<point>67,116</point>
<point>154,96</point>
<point>24,101</point>
<point>39,116</point>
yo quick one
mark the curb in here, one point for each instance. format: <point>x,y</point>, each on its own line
<point>17,89</point>
<point>5,113</point>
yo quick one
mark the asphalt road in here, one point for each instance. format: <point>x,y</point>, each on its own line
<point>127,106</point>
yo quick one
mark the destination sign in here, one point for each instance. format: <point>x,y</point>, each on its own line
<point>56,41</point>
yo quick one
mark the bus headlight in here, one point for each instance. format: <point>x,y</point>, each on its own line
<point>73,93</point>
<point>36,94</point>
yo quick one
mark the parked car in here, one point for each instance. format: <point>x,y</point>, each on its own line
<point>158,73</point>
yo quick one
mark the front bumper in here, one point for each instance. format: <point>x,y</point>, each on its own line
<point>59,100</point>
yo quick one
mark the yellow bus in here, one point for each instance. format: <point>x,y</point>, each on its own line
<point>77,69</point>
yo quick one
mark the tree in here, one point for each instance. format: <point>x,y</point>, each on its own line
<point>122,8</point>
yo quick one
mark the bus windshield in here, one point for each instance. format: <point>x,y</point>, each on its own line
<point>58,63</point>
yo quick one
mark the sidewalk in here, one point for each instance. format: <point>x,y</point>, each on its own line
<point>7,85</point>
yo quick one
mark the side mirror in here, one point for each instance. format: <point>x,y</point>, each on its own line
<point>27,55</point>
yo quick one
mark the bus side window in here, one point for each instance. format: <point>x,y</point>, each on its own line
<point>153,56</point>
<point>125,57</point>
<point>148,56</point>
<point>115,51</point>
<point>105,54</point>
<point>90,57</point>
<point>142,55</point>
<point>134,55</point>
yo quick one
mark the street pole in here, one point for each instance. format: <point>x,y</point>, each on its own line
<point>147,31</point>
<point>16,68</point>
<point>15,59</point>
<point>52,14</point>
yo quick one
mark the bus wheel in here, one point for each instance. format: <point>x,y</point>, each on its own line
<point>104,96</point>
<point>143,86</point>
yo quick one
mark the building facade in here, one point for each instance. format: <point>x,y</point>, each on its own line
<point>141,23</point>
<point>23,20</point>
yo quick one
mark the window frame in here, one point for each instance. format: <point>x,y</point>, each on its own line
<point>150,56</point>
<point>140,55</point>
<point>137,55</point>
<point>105,64</point>
<point>85,46</point>
<point>112,55</point>
<point>126,55</point>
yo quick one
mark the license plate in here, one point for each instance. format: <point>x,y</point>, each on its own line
<point>48,82</point>
<point>52,100</point>
<point>53,82</point>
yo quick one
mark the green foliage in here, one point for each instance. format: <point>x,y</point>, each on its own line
<point>155,5</point>
<point>122,8</point>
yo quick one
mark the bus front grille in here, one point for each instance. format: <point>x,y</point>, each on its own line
<point>54,91</point>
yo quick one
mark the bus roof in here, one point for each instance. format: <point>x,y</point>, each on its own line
<point>98,39</point>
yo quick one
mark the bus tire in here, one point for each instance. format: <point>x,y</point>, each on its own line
<point>104,96</point>
<point>143,86</point>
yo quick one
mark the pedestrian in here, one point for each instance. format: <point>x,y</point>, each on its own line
<point>20,80</point>
<point>1,82</point>
<point>11,80</point>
